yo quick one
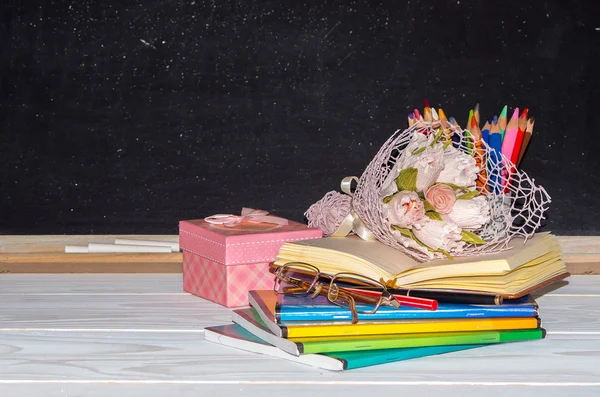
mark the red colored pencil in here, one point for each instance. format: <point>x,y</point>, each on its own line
<point>522,125</point>
<point>526,137</point>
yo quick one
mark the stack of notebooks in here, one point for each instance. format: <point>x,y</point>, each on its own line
<point>482,300</point>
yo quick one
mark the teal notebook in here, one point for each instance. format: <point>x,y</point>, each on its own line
<point>233,335</point>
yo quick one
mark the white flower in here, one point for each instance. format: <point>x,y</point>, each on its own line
<point>441,235</point>
<point>405,210</point>
<point>470,214</point>
<point>460,168</point>
<point>417,141</point>
<point>407,242</point>
<point>429,164</point>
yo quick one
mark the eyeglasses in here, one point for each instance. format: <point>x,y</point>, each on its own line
<point>299,278</point>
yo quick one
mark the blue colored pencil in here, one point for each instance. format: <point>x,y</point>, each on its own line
<point>494,177</point>
<point>455,137</point>
<point>485,132</point>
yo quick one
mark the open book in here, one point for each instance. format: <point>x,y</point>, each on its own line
<point>512,273</point>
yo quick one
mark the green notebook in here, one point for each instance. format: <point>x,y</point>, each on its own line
<point>233,335</point>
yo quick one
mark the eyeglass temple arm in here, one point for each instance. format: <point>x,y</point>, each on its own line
<point>350,299</point>
<point>293,290</point>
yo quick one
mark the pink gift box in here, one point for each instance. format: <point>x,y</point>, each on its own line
<point>222,263</point>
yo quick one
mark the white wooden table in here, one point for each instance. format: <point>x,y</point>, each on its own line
<point>139,334</point>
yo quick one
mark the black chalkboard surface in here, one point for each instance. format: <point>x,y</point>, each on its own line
<point>126,117</point>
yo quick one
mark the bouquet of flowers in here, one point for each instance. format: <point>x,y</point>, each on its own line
<point>433,192</point>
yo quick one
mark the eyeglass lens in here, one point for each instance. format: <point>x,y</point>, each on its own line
<point>296,278</point>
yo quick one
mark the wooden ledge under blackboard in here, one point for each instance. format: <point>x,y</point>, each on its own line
<point>45,254</point>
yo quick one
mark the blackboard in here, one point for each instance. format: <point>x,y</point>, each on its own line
<point>126,117</point>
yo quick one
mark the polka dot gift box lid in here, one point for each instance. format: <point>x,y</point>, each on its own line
<point>252,237</point>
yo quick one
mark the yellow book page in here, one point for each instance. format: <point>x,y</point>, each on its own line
<point>511,283</point>
<point>413,326</point>
<point>468,273</point>
<point>377,260</point>
<point>333,255</point>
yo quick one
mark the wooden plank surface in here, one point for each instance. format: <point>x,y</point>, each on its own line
<point>188,313</point>
<point>55,243</point>
<point>110,311</point>
<point>173,283</point>
<point>88,283</point>
<point>131,356</point>
<point>93,263</point>
<point>156,302</point>
<point>28,244</point>
<point>130,335</point>
<point>45,254</point>
<point>223,388</point>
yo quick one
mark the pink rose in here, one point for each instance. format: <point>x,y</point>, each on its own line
<point>442,198</point>
<point>405,210</point>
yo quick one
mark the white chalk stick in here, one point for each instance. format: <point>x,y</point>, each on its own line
<point>114,248</point>
<point>76,249</point>
<point>173,245</point>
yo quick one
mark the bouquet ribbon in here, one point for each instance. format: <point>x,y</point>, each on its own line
<point>352,222</point>
<point>248,214</point>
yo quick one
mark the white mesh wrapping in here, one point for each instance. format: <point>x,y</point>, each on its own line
<point>328,213</point>
<point>517,208</point>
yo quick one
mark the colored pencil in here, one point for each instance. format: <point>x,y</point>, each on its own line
<point>522,125</point>
<point>437,124</point>
<point>494,157</point>
<point>427,115</point>
<point>509,142</point>
<point>510,136</point>
<point>417,115</point>
<point>480,157</point>
<point>411,119</point>
<point>476,114</point>
<point>442,115</point>
<point>445,125</point>
<point>468,133</point>
<point>502,120</point>
<point>526,138</point>
<point>485,131</point>
<point>455,138</point>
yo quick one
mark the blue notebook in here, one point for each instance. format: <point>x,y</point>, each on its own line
<point>290,308</point>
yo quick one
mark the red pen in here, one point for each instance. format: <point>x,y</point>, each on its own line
<point>410,301</point>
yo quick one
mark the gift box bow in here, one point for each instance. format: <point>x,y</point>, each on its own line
<point>249,215</point>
